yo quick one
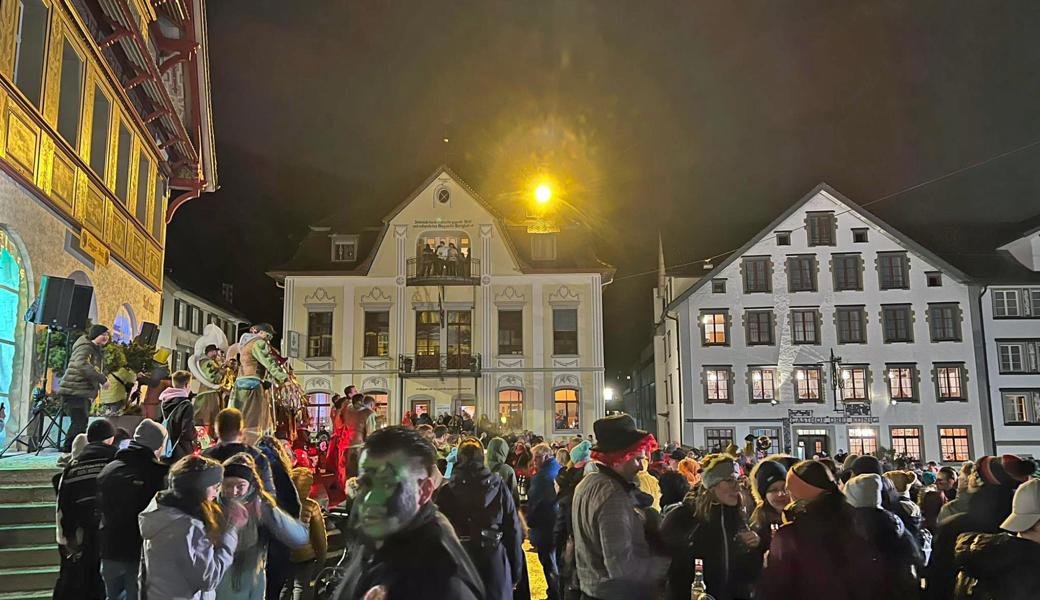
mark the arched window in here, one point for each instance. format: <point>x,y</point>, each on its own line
<point>511,409</point>
<point>124,328</point>
<point>13,299</point>
<point>566,409</point>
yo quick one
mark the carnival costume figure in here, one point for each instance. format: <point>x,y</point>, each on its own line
<point>251,394</point>
<point>208,367</point>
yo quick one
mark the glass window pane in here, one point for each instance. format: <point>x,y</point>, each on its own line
<point>144,168</point>
<point>70,95</point>
<point>99,130</point>
<point>30,50</point>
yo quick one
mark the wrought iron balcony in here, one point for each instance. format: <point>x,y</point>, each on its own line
<point>423,270</point>
<point>424,365</point>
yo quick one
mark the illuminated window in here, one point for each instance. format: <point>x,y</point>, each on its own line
<point>907,441</point>
<point>854,384</point>
<point>901,382</point>
<point>511,409</point>
<point>566,409</point>
<point>318,408</point>
<point>949,380</point>
<point>807,384</point>
<point>713,324</point>
<point>862,441</point>
<point>763,384</point>
<point>717,384</point>
<point>955,444</point>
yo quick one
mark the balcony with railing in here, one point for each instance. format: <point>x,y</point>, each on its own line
<point>426,270</point>
<point>424,365</point>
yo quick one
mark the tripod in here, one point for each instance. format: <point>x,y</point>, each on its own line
<point>33,435</point>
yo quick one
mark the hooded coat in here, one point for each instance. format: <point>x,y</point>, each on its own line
<point>125,487</point>
<point>996,566</point>
<point>84,376</point>
<point>180,560</point>
<point>479,505</point>
<point>495,457</point>
<point>178,416</point>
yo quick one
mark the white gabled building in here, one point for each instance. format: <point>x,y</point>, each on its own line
<point>756,335</point>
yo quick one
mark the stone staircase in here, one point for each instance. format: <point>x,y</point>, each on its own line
<point>28,553</point>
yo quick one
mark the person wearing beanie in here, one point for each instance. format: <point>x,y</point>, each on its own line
<point>865,464</point>
<point>189,543</point>
<point>769,489</point>
<point>247,578</point>
<point>674,488</point>
<point>710,524</point>
<point>817,537</point>
<point>1003,565</point>
<point>124,488</point>
<point>76,515</point>
<point>886,534</point>
<point>82,379</point>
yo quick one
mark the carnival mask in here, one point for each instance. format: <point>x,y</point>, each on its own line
<point>388,494</point>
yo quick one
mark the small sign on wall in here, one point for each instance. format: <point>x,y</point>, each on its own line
<point>93,247</point>
<point>293,344</point>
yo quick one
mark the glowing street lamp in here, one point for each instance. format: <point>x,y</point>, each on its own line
<point>543,193</point>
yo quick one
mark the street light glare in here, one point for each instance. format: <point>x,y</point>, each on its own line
<point>542,193</point>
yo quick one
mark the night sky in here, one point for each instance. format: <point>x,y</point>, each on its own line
<point>703,120</point>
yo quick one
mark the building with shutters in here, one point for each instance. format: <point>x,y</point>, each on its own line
<point>447,306</point>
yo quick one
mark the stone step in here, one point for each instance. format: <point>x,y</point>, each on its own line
<point>25,492</point>
<point>44,555</point>
<point>29,534</point>
<point>37,476</point>
<point>16,579</point>
<point>26,595</point>
<point>26,512</point>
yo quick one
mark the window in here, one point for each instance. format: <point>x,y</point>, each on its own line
<point>933,278</point>
<point>717,384</point>
<point>759,327</point>
<point>847,271</point>
<point>144,167</point>
<point>855,384</point>
<point>902,382</point>
<point>944,322</point>
<point>757,274</point>
<point>70,95</point>
<point>717,438</point>
<point>893,271</point>
<point>460,339</point>
<point>511,409</point>
<point>319,334</point>
<point>783,238</point>
<point>807,384</point>
<point>820,227</point>
<point>99,130</point>
<point>178,314</point>
<point>763,384</point>
<point>565,331</point>
<point>159,209</point>
<point>907,441</point>
<point>510,332</point>
<point>1016,303</point>
<point>801,273</point>
<point>714,328</point>
<point>30,49</point>
<point>804,328</point>
<point>427,339</point>
<point>382,404</point>
<point>1019,356</point>
<point>196,319</point>
<point>1021,406</point>
<point>123,326</point>
<point>543,246</point>
<point>949,381</point>
<point>377,333</point>
<point>896,322</point>
<point>718,286</point>
<point>344,251</point>
<point>852,324</point>
<point>862,441</point>
<point>124,148</point>
<point>859,235</point>
<point>955,444</point>
<point>565,409</point>
<point>318,407</point>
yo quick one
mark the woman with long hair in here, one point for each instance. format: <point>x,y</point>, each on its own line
<point>247,579</point>
<point>769,488</point>
<point>189,541</point>
<point>279,567</point>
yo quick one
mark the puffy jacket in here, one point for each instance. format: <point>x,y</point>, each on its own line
<point>541,503</point>
<point>997,566</point>
<point>125,487</point>
<point>180,561</point>
<point>310,515</point>
<point>887,534</point>
<point>84,376</point>
<point>77,507</point>
<point>478,504</point>
<point>178,416</point>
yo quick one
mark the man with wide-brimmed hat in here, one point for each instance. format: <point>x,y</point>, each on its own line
<point>257,365</point>
<point>612,555</point>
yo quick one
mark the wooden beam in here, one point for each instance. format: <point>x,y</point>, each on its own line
<point>119,33</point>
<point>155,115</point>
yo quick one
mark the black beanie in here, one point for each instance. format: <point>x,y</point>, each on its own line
<point>865,465</point>
<point>765,474</point>
<point>815,473</point>
<point>96,330</point>
<point>100,430</point>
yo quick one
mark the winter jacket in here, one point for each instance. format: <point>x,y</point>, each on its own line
<point>125,487</point>
<point>612,555</point>
<point>78,514</point>
<point>311,517</point>
<point>180,561</point>
<point>444,573</point>
<point>178,416</point>
<point>997,566</point>
<point>120,382</point>
<point>225,450</point>
<point>495,457</point>
<point>84,376</point>
<point>898,549</point>
<point>542,505</point>
<point>730,568</point>
<point>563,532</point>
<point>480,508</point>
<point>247,577</point>
<point>278,554</point>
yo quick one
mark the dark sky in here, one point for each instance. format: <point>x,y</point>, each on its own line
<point>700,119</point>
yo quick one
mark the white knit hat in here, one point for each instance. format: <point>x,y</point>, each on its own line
<point>864,491</point>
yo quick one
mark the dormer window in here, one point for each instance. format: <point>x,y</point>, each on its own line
<point>344,248</point>
<point>543,246</point>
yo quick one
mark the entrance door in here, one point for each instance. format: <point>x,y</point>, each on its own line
<point>421,407</point>
<point>814,443</point>
<point>427,340</point>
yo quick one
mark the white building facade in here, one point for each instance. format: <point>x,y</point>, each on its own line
<point>184,314</point>
<point>756,336</point>
<point>501,322</point>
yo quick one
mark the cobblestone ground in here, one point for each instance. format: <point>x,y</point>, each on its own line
<point>534,573</point>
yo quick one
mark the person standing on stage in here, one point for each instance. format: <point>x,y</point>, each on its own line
<point>82,379</point>
<point>257,367</point>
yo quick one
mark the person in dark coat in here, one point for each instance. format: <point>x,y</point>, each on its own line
<point>178,417</point>
<point>817,537</point>
<point>990,489</point>
<point>710,525</point>
<point>769,489</point>
<point>279,563</point>
<point>229,443</point>
<point>77,516</point>
<point>124,488</point>
<point>1002,566</point>
<point>480,507</point>
<point>563,531</point>
<point>401,545</point>
<point>542,508</point>
<point>886,533</point>
<point>82,379</point>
